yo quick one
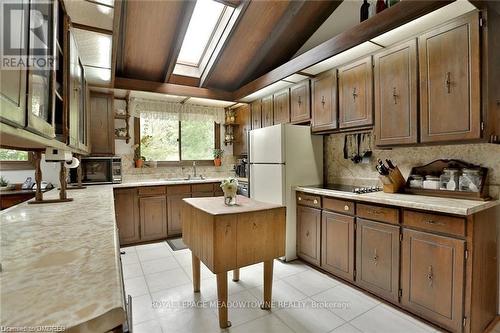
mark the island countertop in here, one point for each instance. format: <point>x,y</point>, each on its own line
<point>60,263</point>
<point>161,182</point>
<point>215,205</point>
<point>435,204</point>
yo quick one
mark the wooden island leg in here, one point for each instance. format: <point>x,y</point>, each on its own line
<point>222,300</point>
<point>236,274</point>
<point>268,284</point>
<point>196,273</point>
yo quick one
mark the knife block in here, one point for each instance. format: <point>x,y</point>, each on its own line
<point>394,182</point>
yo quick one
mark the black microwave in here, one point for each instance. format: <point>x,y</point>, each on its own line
<point>98,170</point>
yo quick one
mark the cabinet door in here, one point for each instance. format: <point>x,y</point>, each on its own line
<point>449,82</point>
<point>127,215</point>
<point>153,212</point>
<point>432,277</point>
<point>337,245</point>
<point>267,111</point>
<point>309,234</point>
<point>281,107</point>
<point>240,146</point>
<point>300,102</point>
<point>324,101</point>
<point>102,124</point>
<point>355,94</point>
<point>174,207</point>
<point>41,90</point>
<point>13,81</point>
<point>396,95</point>
<point>256,114</point>
<point>74,90</point>
<point>377,258</point>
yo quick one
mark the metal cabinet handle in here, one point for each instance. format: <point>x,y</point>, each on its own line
<point>300,199</point>
<point>375,211</point>
<point>307,233</point>
<point>346,207</point>
<point>430,275</point>
<point>299,101</point>
<point>430,222</point>
<point>354,93</point>
<point>323,100</point>
<point>448,82</point>
<point>315,201</point>
<point>375,257</point>
<point>395,95</point>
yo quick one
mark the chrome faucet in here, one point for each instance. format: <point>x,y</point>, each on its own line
<point>194,169</point>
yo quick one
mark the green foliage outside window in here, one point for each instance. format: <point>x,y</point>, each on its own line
<point>160,140</point>
<point>13,155</point>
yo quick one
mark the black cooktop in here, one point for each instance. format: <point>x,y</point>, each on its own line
<point>348,188</point>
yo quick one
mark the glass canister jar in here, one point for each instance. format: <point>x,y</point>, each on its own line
<point>470,180</point>
<point>449,179</point>
<point>416,181</point>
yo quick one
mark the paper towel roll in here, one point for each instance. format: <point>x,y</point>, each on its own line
<point>74,163</point>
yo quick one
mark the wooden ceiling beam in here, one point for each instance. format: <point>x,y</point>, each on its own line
<point>187,12</point>
<point>119,37</point>
<point>403,12</point>
<point>171,89</point>
<point>115,40</point>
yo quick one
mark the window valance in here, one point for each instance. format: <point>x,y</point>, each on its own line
<point>154,109</point>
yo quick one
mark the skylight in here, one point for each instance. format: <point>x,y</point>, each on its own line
<point>210,24</point>
<point>206,15</point>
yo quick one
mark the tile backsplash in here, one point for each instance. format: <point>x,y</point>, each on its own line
<point>340,170</point>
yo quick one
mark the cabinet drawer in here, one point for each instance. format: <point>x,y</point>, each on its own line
<point>340,206</point>
<point>378,213</point>
<point>434,222</point>
<point>178,189</point>
<point>202,187</point>
<point>309,200</point>
<point>152,190</point>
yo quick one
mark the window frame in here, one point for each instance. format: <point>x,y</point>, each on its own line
<point>217,132</point>
<point>6,165</point>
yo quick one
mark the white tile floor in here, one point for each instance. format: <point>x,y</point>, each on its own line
<point>306,300</point>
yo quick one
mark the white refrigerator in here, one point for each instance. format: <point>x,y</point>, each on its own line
<point>282,157</point>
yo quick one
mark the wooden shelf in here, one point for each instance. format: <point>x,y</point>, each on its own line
<point>122,116</point>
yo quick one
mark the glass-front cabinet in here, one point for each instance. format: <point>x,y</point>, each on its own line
<point>41,71</point>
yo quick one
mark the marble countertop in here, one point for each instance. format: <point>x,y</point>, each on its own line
<point>435,204</point>
<point>61,263</point>
<point>216,206</point>
<point>154,182</point>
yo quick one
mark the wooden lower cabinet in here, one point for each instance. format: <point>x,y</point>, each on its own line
<point>432,277</point>
<point>174,208</point>
<point>153,217</point>
<point>309,234</point>
<point>127,215</point>
<point>377,258</point>
<point>337,244</point>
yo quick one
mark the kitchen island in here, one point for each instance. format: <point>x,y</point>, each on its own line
<point>61,264</point>
<point>227,238</point>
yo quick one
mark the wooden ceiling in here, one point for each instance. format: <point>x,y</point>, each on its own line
<point>268,34</point>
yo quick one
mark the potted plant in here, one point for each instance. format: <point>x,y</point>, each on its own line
<point>138,159</point>
<point>229,186</point>
<point>218,153</point>
<point>4,184</point>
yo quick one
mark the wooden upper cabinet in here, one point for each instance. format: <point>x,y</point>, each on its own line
<point>377,258</point>
<point>74,90</point>
<point>309,234</point>
<point>355,94</point>
<point>337,244</point>
<point>240,145</point>
<point>256,114</point>
<point>127,215</point>
<point>13,81</point>
<point>300,102</point>
<point>450,81</point>
<point>281,107</point>
<point>324,101</point>
<point>153,217</point>
<point>396,81</point>
<point>102,131</point>
<point>267,111</point>
<point>432,277</point>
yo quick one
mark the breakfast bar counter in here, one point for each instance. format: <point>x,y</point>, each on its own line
<point>227,238</point>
